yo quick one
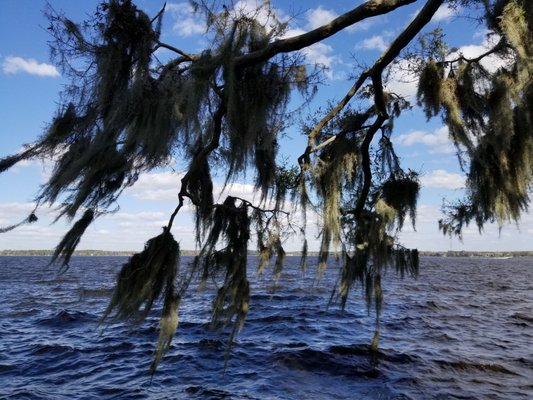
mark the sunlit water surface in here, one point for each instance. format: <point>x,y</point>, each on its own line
<point>463,330</point>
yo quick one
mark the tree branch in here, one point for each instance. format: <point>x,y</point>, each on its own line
<point>249,204</point>
<point>366,10</point>
<point>408,34</point>
<point>500,45</point>
<point>367,171</point>
<point>190,57</point>
<point>304,160</point>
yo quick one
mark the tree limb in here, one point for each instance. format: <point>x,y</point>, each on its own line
<point>367,171</point>
<point>190,57</point>
<point>366,10</point>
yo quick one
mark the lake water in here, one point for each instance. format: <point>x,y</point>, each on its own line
<point>463,330</point>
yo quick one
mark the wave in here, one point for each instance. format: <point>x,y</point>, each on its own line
<point>67,317</point>
<point>475,366</point>
<point>326,362</point>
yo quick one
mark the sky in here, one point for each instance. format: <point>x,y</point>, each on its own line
<point>29,94</point>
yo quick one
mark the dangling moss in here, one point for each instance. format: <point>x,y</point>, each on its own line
<point>280,257</point>
<point>515,25</point>
<point>200,188</point>
<point>401,192</point>
<point>336,165</point>
<point>303,257</point>
<point>255,96</point>
<point>70,241</point>
<point>429,87</point>
<point>168,325</point>
<point>231,224</point>
<point>450,101</point>
<point>144,279</point>
<point>386,212</point>
<point>471,101</point>
<point>62,127</point>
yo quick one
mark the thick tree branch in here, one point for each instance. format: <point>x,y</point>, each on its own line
<point>408,34</point>
<point>366,10</point>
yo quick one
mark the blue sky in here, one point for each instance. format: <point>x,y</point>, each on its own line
<point>29,93</point>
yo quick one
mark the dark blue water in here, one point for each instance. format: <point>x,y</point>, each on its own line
<point>463,330</point>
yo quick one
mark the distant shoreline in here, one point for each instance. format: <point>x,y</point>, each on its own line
<point>96,253</point>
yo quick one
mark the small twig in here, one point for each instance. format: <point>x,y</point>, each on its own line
<point>501,44</point>
<point>159,13</point>
<point>249,204</point>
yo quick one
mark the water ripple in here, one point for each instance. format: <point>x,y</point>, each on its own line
<point>462,330</point>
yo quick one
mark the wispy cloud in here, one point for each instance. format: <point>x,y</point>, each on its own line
<point>438,141</point>
<point>188,23</point>
<point>318,54</point>
<point>376,42</point>
<point>492,63</point>
<point>319,16</point>
<point>161,186</point>
<point>14,65</point>
<point>442,179</point>
<point>444,13</point>
<point>165,186</point>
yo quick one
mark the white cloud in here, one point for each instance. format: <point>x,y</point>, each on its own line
<point>442,179</point>
<point>165,186</point>
<point>376,42</point>
<point>319,16</point>
<point>402,81</point>
<point>492,63</point>
<point>320,54</point>
<point>260,11</point>
<point>444,13</point>
<point>438,141</point>
<point>159,186</point>
<point>317,54</point>
<point>187,22</point>
<point>14,65</point>
<point>132,217</point>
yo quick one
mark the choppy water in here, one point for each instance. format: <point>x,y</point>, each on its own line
<point>463,330</point>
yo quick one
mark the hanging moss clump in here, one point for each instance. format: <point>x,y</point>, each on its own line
<point>70,241</point>
<point>401,192</point>
<point>429,88</point>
